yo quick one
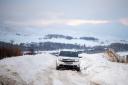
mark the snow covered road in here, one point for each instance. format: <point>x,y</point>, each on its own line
<point>40,70</point>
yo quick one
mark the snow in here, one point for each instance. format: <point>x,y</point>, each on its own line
<point>123,53</point>
<point>57,82</point>
<point>40,70</point>
<point>27,66</point>
<point>103,72</point>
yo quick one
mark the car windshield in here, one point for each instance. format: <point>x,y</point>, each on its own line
<point>68,53</point>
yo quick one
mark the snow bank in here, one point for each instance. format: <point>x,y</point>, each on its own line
<point>26,66</point>
<point>123,53</point>
<point>103,72</point>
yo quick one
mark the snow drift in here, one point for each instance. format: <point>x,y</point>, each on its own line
<point>40,70</point>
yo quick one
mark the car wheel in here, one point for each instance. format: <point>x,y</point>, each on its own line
<point>57,67</point>
<point>78,69</point>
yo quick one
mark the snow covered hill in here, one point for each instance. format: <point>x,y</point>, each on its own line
<point>40,70</point>
<point>87,40</point>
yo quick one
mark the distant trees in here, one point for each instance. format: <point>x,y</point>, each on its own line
<point>119,46</point>
<point>55,46</point>
<point>50,36</point>
<point>11,49</point>
<point>89,38</point>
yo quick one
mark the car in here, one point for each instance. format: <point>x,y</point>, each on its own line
<point>68,59</point>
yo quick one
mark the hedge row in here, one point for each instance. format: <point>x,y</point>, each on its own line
<point>9,52</point>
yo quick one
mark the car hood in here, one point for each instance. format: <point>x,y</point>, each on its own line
<point>68,58</point>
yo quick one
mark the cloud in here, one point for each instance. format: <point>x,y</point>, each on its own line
<point>124,21</point>
<point>77,22</point>
<point>71,22</point>
<point>52,22</point>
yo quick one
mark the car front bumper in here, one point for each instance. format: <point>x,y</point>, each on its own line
<point>68,64</point>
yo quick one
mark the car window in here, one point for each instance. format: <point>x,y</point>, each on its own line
<point>69,54</point>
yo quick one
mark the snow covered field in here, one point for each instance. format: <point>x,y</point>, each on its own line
<point>40,70</point>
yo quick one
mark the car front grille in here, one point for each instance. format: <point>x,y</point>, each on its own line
<point>68,60</point>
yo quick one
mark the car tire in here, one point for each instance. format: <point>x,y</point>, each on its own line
<point>57,67</point>
<point>78,69</point>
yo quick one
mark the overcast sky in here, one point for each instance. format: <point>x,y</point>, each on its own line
<point>34,18</point>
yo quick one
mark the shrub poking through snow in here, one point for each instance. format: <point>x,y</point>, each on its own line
<point>9,52</point>
<point>114,57</point>
<point>111,55</point>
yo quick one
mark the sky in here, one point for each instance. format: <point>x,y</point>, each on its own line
<point>27,20</point>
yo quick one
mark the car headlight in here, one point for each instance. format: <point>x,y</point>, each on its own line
<point>77,60</point>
